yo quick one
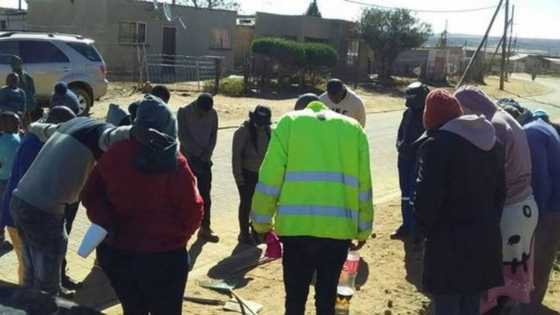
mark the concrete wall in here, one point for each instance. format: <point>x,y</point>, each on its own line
<point>100,20</point>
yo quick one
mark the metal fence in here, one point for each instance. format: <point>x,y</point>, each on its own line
<point>169,69</point>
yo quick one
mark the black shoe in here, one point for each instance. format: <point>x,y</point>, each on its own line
<point>208,235</point>
<point>5,247</point>
<point>400,233</point>
<point>70,283</point>
<point>67,293</point>
<point>246,239</point>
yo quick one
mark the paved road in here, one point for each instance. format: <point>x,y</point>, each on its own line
<point>549,102</point>
<point>381,130</point>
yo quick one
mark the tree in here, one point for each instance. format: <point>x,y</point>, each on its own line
<point>390,32</point>
<point>211,4</point>
<point>313,9</point>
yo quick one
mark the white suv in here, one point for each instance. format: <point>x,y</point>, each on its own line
<point>50,58</point>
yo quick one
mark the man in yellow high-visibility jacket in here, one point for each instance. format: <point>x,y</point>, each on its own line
<point>315,191</point>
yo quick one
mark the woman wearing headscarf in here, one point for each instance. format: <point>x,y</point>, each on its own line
<point>250,142</point>
<point>520,213</point>
<point>148,202</point>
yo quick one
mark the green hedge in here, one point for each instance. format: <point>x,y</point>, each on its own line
<point>294,53</point>
<point>230,86</point>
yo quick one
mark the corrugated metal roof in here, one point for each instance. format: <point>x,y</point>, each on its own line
<point>518,57</point>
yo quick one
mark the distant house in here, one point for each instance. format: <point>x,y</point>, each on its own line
<point>431,64</point>
<point>12,19</point>
<point>126,31</point>
<point>551,65</point>
<point>534,63</point>
<point>354,55</point>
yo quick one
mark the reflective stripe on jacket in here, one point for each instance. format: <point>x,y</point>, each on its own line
<point>315,179</point>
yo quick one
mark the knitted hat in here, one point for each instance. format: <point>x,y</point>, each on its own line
<point>153,113</point>
<point>441,107</point>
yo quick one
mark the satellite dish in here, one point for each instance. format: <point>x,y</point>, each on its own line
<point>167,11</point>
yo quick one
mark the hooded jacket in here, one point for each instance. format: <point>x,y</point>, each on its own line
<point>459,199</point>
<point>511,135</point>
<point>545,152</point>
<point>248,153</point>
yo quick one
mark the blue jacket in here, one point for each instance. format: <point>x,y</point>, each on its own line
<point>544,143</point>
<point>13,100</point>
<point>9,144</point>
<point>28,150</point>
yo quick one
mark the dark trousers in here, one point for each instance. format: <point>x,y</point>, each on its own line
<point>456,304</point>
<point>44,241</point>
<point>203,172</point>
<point>3,185</point>
<point>407,183</point>
<point>246,199</point>
<point>547,245</point>
<point>303,256</point>
<point>147,283</point>
<point>70,215</point>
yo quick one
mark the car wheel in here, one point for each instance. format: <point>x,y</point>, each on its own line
<point>85,99</point>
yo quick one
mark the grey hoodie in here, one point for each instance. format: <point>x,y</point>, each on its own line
<point>475,129</point>
<point>511,135</point>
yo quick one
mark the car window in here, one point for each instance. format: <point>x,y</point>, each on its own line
<point>88,51</point>
<point>8,48</point>
<point>41,52</point>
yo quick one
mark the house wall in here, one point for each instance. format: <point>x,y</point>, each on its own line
<point>100,20</point>
<point>12,20</point>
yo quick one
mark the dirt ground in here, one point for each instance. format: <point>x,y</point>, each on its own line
<point>390,279</point>
<point>233,110</point>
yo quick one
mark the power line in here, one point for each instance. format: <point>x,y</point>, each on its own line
<point>360,2</point>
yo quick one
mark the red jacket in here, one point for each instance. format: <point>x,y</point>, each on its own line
<point>142,212</point>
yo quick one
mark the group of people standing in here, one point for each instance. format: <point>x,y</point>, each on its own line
<point>481,188</point>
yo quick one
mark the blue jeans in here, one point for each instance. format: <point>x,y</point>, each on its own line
<point>44,245</point>
<point>407,182</point>
<point>456,304</point>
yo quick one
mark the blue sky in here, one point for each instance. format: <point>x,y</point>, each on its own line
<point>534,18</point>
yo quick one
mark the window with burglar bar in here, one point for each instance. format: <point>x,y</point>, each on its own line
<point>219,39</point>
<point>132,33</point>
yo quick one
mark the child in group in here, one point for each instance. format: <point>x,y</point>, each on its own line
<point>9,143</point>
<point>12,98</point>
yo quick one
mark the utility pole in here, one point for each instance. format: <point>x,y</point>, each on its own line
<point>504,48</point>
<point>484,39</point>
<point>510,38</point>
<point>19,5</point>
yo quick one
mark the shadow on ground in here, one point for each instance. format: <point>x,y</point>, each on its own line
<point>414,255</point>
<point>17,301</point>
<point>96,291</point>
<point>234,268</point>
<point>363,274</point>
<point>194,251</point>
